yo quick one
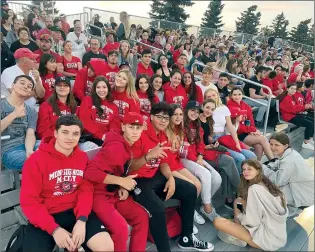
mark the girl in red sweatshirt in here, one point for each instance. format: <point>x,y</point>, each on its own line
<point>98,113</point>
<point>293,112</point>
<point>125,94</point>
<point>246,130</point>
<point>193,91</point>
<point>146,95</point>
<point>61,102</point>
<point>174,91</point>
<point>48,73</point>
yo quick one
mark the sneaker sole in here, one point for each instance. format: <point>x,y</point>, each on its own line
<point>231,240</point>
<point>196,249</point>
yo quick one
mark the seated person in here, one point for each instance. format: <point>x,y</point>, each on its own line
<point>260,213</point>
<point>292,111</point>
<point>300,98</point>
<point>278,83</point>
<point>45,44</point>
<point>84,79</point>
<point>156,182</point>
<point>144,66</point>
<point>112,188</point>
<point>94,52</point>
<point>111,45</point>
<point>98,113</point>
<point>55,198</point>
<point>196,55</point>
<point>180,63</point>
<point>18,120</point>
<point>71,64</point>
<point>206,83</point>
<point>308,92</point>
<point>290,172</point>
<point>221,85</point>
<point>111,67</point>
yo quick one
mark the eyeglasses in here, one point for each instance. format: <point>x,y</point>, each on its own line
<point>162,118</point>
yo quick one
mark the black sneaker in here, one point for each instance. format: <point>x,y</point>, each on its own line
<point>193,243</point>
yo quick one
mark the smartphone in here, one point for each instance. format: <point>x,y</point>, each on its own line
<point>239,206</point>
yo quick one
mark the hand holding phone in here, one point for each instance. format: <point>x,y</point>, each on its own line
<point>239,206</point>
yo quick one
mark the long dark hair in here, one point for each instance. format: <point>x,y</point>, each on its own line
<point>281,96</point>
<point>43,62</point>
<point>192,95</point>
<point>96,100</point>
<point>209,119</point>
<point>152,80</point>
<point>187,126</point>
<point>70,102</point>
<point>173,130</point>
<point>30,18</point>
<point>150,91</point>
<point>260,178</point>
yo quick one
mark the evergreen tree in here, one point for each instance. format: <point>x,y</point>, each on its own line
<point>279,26</point>
<point>266,31</point>
<point>48,6</point>
<point>249,21</point>
<point>212,18</point>
<point>301,33</point>
<point>170,10</point>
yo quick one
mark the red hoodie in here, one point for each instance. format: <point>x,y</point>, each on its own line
<point>93,123</point>
<point>83,83</point>
<point>199,96</point>
<point>53,183</point>
<point>175,95</point>
<point>299,98</point>
<point>110,73</point>
<point>47,118</point>
<point>278,82</point>
<point>242,128</point>
<point>125,104</point>
<point>110,47</point>
<point>49,84</point>
<point>289,107</point>
<point>107,162</point>
<point>176,55</point>
<point>145,103</point>
<point>141,69</point>
<point>148,140</point>
<point>142,47</point>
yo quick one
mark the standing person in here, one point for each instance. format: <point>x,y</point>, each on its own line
<point>125,94</point>
<point>156,82</point>
<point>71,64</point>
<point>194,92</point>
<point>98,113</point>
<point>55,197</point>
<point>262,222</point>
<point>112,201</point>
<point>123,31</point>
<point>65,25</point>
<point>155,180</point>
<point>174,91</point>
<point>247,132</point>
<point>78,39</point>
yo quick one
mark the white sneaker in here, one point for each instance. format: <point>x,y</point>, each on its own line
<point>195,230</point>
<point>227,238</point>
<point>198,218</point>
<point>308,146</point>
<point>211,216</point>
<point>311,141</point>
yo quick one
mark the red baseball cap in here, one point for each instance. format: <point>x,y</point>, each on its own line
<point>133,118</point>
<point>25,52</point>
<point>235,112</point>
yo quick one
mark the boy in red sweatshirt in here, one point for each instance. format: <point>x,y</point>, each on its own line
<point>84,79</point>
<point>144,66</point>
<point>56,199</point>
<point>112,203</point>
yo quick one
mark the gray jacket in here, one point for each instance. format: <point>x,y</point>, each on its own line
<point>132,60</point>
<point>10,38</point>
<point>294,177</point>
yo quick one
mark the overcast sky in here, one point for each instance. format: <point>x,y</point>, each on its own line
<point>295,11</point>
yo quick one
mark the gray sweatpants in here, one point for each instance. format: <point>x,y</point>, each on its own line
<point>210,179</point>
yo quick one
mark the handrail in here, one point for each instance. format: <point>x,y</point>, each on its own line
<point>154,48</point>
<point>96,27</point>
<point>248,81</point>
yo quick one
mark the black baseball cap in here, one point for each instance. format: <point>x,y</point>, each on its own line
<point>193,105</point>
<point>124,63</point>
<point>62,79</point>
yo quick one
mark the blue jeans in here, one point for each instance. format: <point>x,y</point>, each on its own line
<point>239,157</point>
<point>15,157</point>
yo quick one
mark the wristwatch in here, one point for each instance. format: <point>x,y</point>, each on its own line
<point>83,218</point>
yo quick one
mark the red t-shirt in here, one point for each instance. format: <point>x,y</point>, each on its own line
<point>110,47</point>
<point>71,66</point>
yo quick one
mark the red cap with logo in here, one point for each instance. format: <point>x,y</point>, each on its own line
<point>25,52</point>
<point>235,112</point>
<point>133,118</point>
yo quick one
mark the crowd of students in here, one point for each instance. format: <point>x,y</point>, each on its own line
<point>162,135</point>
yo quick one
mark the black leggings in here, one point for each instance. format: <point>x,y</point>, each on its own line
<point>152,197</point>
<point>304,121</point>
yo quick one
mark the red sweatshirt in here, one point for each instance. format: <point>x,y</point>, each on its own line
<point>299,98</point>
<point>176,55</point>
<point>175,95</point>
<point>308,96</point>
<point>110,73</point>
<point>242,128</point>
<point>125,104</point>
<point>145,103</point>
<point>141,69</point>
<point>107,162</point>
<point>53,183</point>
<point>278,82</point>
<point>142,47</point>
<point>148,140</point>
<point>83,83</point>
<point>267,82</point>
<point>289,107</point>
<point>110,47</point>
<point>49,84</point>
<point>93,123</point>
<point>47,118</point>
<point>199,96</point>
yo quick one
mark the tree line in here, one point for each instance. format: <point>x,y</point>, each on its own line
<point>248,22</point>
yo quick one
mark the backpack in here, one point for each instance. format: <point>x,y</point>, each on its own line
<point>16,241</point>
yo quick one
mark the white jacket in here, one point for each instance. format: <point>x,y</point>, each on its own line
<point>294,177</point>
<point>265,218</point>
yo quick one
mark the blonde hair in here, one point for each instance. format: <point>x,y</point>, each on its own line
<point>208,70</point>
<point>127,42</point>
<point>130,88</point>
<point>218,101</point>
<point>221,63</point>
<point>124,19</point>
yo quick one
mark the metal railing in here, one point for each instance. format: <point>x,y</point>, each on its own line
<point>152,47</point>
<point>20,9</point>
<point>248,81</point>
<point>83,17</point>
